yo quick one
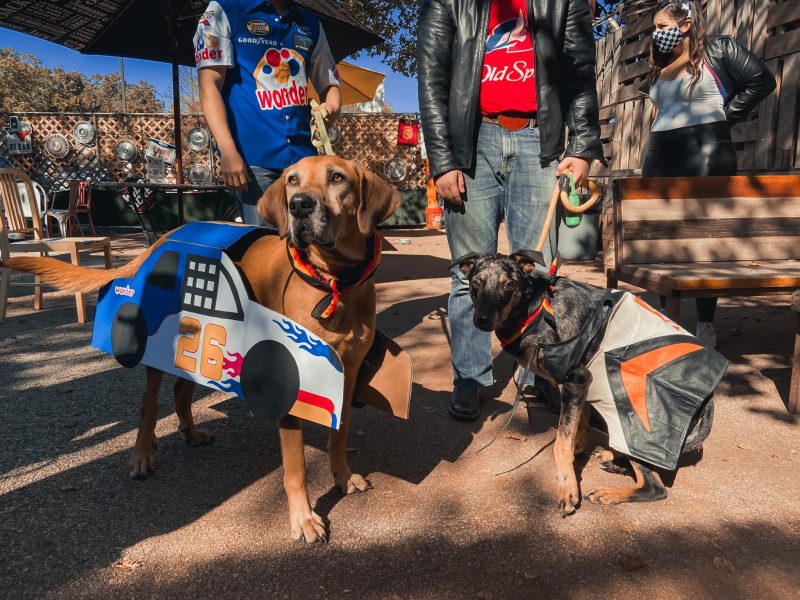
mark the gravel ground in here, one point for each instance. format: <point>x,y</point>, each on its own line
<point>442,522</point>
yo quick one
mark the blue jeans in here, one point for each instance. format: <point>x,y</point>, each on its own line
<point>507,184</point>
<point>247,201</point>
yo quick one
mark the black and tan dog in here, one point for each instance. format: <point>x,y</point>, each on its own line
<point>531,312</point>
<point>329,209</point>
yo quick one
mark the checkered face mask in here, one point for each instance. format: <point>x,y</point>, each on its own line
<point>667,40</point>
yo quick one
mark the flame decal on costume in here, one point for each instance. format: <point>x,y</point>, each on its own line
<point>232,363</point>
<point>313,347</point>
<point>229,385</point>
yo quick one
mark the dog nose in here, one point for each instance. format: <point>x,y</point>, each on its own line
<point>301,205</point>
<point>483,322</point>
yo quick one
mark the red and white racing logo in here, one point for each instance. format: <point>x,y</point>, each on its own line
<point>281,79</point>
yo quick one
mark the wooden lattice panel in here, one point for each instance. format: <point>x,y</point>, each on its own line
<point>366,138</point>
<point>371,139</point>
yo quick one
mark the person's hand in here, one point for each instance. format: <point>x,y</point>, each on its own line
<point>450,186</point>
<point>234,171</point>
<point>579,167</point>
<point>329,112</point>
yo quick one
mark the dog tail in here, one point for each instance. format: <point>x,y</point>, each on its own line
<point>70,278</point>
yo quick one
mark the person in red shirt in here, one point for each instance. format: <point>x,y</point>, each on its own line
<point>500,82</point>
<point>508,84</point>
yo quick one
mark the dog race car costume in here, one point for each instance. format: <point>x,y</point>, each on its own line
<point>650,377</point>
<point>187,311</point>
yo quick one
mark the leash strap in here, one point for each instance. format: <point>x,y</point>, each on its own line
<point>334,286</point>
<point>522,379</point>
<point>319,131</point>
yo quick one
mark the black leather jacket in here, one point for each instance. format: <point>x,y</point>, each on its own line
<point>745,79</point>
<point>450,52</point>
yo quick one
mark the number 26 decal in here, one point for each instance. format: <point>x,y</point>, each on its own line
<point>211,356</point>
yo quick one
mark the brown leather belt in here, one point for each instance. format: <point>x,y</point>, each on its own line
<point>513,123</point>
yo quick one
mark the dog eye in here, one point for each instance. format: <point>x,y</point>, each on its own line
<point>476,283</point>
<point>337,178</point>
<point>508,285</point>
<point>292,180</point>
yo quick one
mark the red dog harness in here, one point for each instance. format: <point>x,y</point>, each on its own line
<point>545,310</point>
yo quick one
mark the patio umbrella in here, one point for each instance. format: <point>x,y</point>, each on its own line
<point>357,83</point>
<point>160,30</point>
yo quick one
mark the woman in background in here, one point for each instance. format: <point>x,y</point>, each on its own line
<point>701,86</point>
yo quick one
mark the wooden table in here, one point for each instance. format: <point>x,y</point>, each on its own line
<point>794,387</point>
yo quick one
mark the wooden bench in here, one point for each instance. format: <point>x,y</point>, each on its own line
<point>794,386</point>
<point>694,237</point>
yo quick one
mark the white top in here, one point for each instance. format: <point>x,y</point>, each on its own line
<point>679,106</point>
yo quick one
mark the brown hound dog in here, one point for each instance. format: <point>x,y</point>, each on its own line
<point>329,209</point>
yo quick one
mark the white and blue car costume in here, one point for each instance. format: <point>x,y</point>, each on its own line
<point>188,311</point>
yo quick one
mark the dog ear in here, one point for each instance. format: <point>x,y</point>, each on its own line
<point>273,206</point>
<point>528,259</point>
<point>377,201</point>
<point>466,262</point>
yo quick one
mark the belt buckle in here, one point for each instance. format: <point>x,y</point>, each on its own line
<point>513,123</point>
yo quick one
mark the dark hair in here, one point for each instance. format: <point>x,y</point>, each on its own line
<point>697,39</point>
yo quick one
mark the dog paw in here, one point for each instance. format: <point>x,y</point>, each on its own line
<point>569,497</point>
<point>308,528</point>
<point>608,495</point>
<point>197,437</point>
<point>353,483</point>
<point>143,462</point>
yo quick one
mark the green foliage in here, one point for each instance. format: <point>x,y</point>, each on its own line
<point>396,22</point>
<point>26,85</point>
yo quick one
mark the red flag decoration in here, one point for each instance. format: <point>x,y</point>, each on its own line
<point>407,132</point>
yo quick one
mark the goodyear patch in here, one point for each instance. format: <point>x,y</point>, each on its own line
<point>257,27</point>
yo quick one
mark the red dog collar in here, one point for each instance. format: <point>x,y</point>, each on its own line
<point>334,286</point>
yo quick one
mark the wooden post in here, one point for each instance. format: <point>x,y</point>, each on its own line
<point>674,308</point>
<point>5,274</point>
<point>794,386</point>
<point>176,114</point>
<point>80,303</point>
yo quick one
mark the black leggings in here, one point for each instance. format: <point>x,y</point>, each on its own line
<point>696,151</point>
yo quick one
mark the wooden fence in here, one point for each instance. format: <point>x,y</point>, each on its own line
<point>370,139</point>
<point>766,142</point>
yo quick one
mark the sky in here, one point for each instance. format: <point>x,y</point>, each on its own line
<point>401,92</point>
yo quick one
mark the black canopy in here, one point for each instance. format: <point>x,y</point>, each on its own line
<point>147,28</point>
<point>160,30</point>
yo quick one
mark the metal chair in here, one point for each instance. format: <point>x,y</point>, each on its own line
<point>14,222</point>
<point>80,202</point>
<point>84,205</point>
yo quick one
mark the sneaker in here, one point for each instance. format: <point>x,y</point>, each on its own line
<point>706,334</point>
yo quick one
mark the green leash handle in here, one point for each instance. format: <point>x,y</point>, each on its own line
<point>572,219</point>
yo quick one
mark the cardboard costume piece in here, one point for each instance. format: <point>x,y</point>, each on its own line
<point>189,312</point>
<point>650,377</point>
<point>384,380</point>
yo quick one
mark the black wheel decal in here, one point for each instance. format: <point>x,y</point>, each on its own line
<point>129,335</point>
<point>270,380</point>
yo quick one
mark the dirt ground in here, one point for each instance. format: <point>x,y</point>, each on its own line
<point>442,520</point>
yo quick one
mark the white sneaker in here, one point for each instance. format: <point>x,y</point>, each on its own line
<point>706,334</point>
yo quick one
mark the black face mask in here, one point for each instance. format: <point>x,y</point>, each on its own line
<point>667,40</point>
